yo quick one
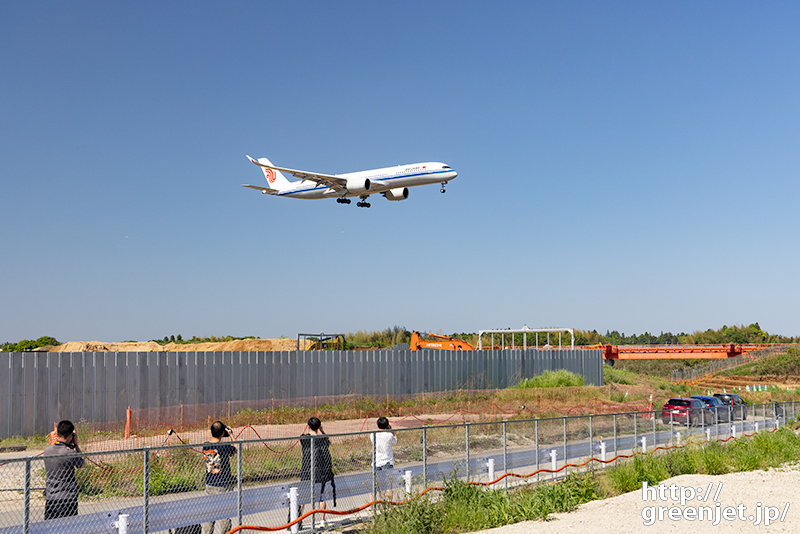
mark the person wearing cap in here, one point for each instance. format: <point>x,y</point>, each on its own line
<point>219,478</point>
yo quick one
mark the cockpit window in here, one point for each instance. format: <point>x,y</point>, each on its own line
<point>445,167</point>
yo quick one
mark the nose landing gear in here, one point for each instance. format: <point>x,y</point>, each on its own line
<point>442,189</point>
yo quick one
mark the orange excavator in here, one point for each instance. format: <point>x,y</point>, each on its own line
<point>438,342</point>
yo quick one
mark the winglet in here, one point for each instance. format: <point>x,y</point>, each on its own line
<point>251,159</point>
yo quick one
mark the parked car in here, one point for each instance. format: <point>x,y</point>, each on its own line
<point>721,412</point>
<point>736,404</point>
<point>686,411</point>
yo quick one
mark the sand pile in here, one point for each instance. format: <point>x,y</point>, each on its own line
<point>152,346</point>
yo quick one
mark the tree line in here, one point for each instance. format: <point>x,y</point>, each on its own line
<point>389,337</point>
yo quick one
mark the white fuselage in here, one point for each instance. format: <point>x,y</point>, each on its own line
<point>381,180</point>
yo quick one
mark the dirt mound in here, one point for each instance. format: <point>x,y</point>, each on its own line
<point>152,346</point>
<point>238,344</point>
<point>98,346</point>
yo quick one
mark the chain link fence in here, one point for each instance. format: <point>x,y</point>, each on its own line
<point>162,489</point>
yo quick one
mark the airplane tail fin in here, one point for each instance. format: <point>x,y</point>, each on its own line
<point>275,179</point>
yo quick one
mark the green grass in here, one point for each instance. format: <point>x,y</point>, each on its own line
<point>466,508</point>
<point>552,379</point>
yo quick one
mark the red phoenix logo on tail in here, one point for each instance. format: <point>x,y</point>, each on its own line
<point>270,174</point>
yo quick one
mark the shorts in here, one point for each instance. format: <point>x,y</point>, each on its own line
<point>322,492</point>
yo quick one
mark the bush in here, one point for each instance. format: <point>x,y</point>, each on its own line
<point>552,379</point>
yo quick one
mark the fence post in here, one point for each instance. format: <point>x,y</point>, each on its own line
<point>26,519</point>
<point>146,489</point>
<point>374,473</point>
<point>635,431</point>
<point>603,453</point>
<point>536,433</point>
<point>505,452</point>
<point>425,454</point>
<point>591,437</point>
<point>293,509</point>
<point>313,484</point>
<point>655,436</point>
<point>566,469</point>
<point>466,426</point>
<point>239,504</point>
<point>615,434</point>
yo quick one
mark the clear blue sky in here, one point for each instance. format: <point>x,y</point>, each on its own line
<point>626,166</point>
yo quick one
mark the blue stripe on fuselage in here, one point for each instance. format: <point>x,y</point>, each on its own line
<point>325,187</point>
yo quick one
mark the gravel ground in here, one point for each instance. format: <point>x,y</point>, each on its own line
<point>626,513</point>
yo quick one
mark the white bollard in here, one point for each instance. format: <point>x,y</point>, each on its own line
<point>678,436</point>
<point>644,443</point>
<point>733,430</point>
<point>491,469</point>
<point>708,434</point>
<point>407,478</point>
<point>756,426</point>
<point>603,453</point>
<point>293,509</point>
<point>553,454</point>
<point>122,524</point>
<point>777,424</point>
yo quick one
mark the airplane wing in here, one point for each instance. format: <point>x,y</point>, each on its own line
<point>266,190</point>
<point>329,180</point>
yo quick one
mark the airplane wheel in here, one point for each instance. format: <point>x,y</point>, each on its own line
<point>441,190</point>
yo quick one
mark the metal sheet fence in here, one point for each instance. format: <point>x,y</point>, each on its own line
<point>40,388</point>
<point>161,488</point>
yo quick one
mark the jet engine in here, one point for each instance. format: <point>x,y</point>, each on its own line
<point>358,186</point>
<point>400,193</point>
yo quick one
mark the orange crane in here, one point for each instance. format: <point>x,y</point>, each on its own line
<point>440,342</point>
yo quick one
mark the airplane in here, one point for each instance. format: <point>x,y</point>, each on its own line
<point>391,182</point>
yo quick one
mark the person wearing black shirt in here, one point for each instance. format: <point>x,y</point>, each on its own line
<point>219,478</point>
<point>61,486</point>
<point>324,485</point>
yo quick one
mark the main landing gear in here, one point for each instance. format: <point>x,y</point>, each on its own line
<point>362,204</point>
<point>442,189</point>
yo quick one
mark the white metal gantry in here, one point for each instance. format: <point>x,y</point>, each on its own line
<point>525,330</point>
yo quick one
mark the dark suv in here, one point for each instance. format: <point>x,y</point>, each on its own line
<point>721,412</point>
<point>736,404</point>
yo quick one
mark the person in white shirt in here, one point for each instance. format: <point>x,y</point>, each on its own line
<point>384,455</point>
